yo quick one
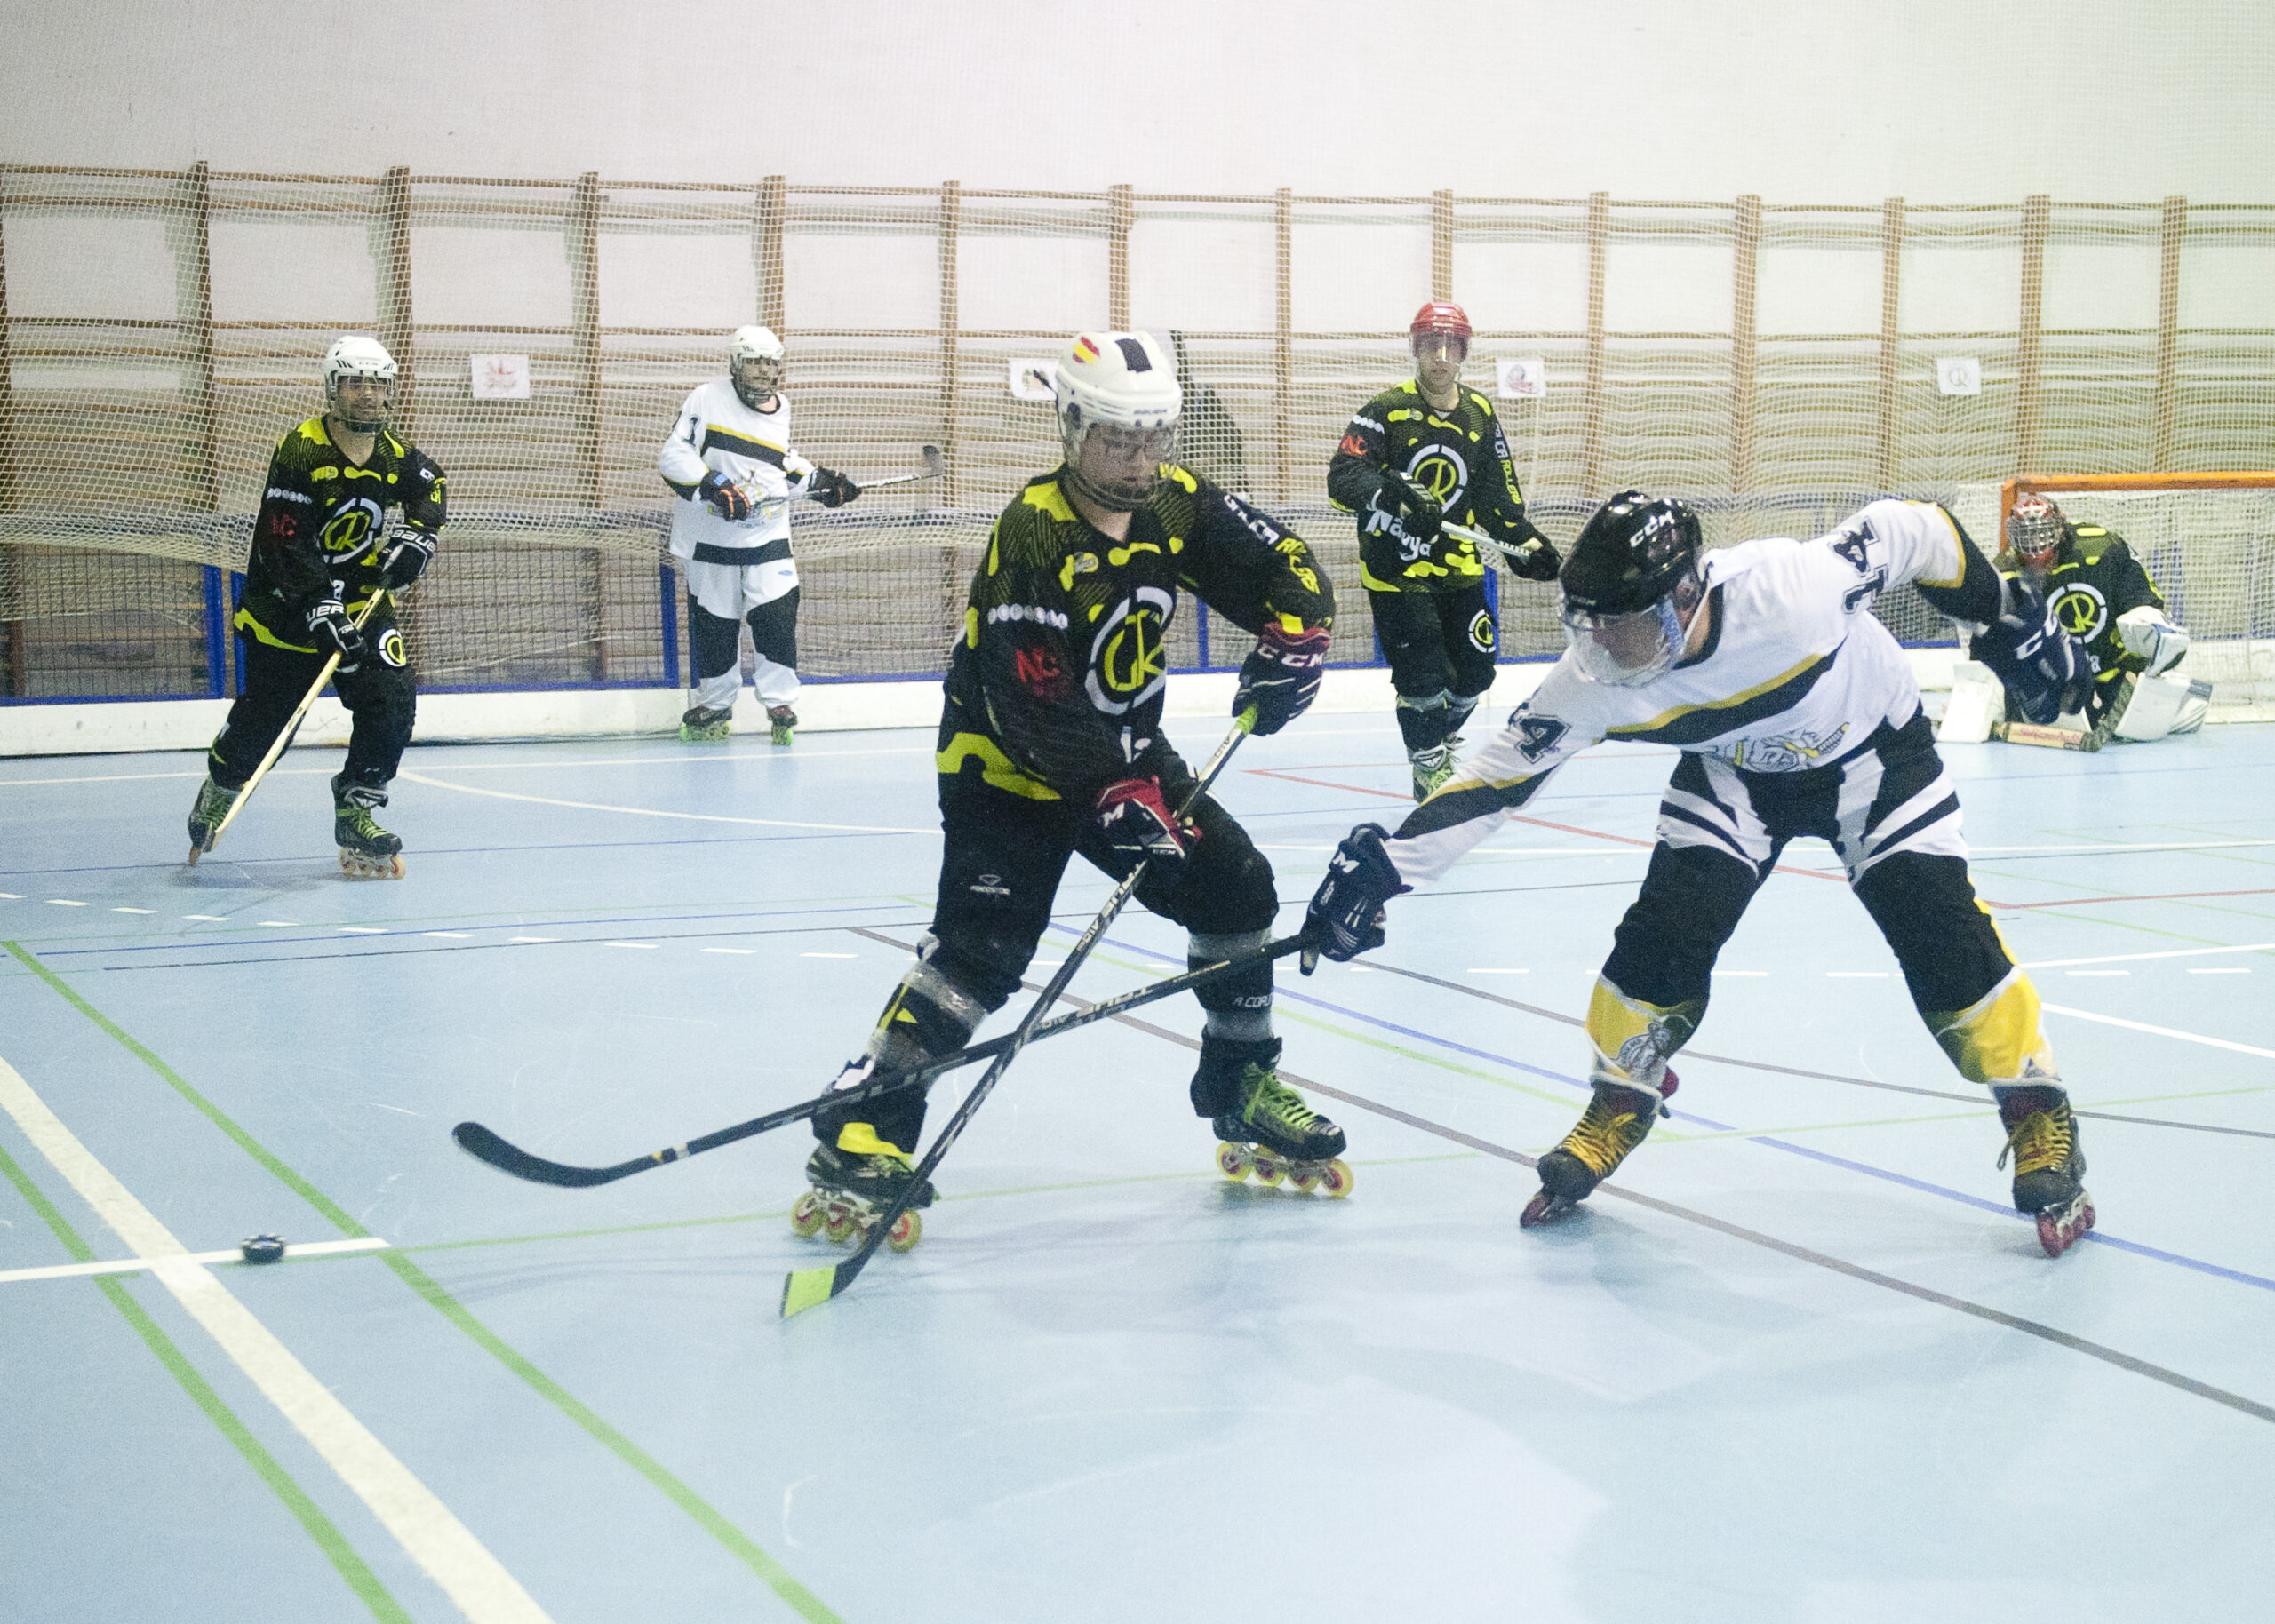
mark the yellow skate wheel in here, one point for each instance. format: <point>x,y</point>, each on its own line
<point>1336,1180</point>
<point>1233,1161</point>
<point>907,1230</point>
<point>839,1224</point>
<point>1305,1180</point>
<point>1269,1172</point>
<point>806,1216</point>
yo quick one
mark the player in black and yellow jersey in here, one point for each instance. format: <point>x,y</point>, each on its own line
<point>1051,746</point>
<point>321,551</point>
<point>2103,597</point>
<point>1415,457</point>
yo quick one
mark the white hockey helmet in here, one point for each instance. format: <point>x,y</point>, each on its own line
<point>1123,387</point>
<point>358,355</point>
<point>755,363</point>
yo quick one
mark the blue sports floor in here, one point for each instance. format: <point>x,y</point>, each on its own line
<point>1800,1360</point>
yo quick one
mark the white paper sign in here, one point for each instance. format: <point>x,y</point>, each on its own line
<point>501,377</point>
<point>1524,378</point>
<point>1034,380</point>
<point>1959,375</point>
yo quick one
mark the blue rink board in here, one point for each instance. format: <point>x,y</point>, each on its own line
<point>1822,1373</point>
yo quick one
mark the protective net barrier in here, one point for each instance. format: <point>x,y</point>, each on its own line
<point>1777,365</point>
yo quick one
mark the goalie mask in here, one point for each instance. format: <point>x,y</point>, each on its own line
<point>2035,530</point>
<point>1630,587</point>
<point>1118,407</point>
<point>361,410</point>
<point>755,365</point>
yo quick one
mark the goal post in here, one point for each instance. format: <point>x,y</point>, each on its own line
<point>2207,540</point>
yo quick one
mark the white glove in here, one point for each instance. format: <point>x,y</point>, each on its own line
<point>2148,635</point>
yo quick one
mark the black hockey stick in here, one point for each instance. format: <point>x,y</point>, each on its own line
<point>480,1143</point>
<point>805,1288</point>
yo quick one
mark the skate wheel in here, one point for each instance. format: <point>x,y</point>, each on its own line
<point>1269,1172</point>
<point>806,1216</point>
<point>782,737</point>
<point>907,1230</point>
<point>1336,1180</point>
<point>1304,1181</point>
<point>1543,1208</point>
<point>1233,1161</point>
<point>837,1226</point>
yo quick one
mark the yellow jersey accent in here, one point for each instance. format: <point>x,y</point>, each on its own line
<point>996,770</point>
<point>246,622</point>
<point>1998,1038</point>
<point>1050,500</point>
<point>1957,547</point>
<point>1666,718</point>
<point>971,628</point>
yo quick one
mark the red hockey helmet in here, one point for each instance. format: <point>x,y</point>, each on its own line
<point>1439,317</point>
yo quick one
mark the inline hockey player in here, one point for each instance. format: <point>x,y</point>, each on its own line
<point>321,552</point>
<point>1051,746</point>
<point>2106,600</point>
<point>729,460</point>
<point>1796,713</point>
<point>1413,458</point>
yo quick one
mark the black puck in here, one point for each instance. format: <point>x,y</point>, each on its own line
<point>264,1249</point>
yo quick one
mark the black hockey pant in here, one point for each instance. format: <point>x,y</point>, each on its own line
<point>381,695</point>
<point>1442,647</point>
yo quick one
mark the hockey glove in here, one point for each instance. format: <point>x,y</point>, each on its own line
<point>334,632</point>
<point>1535,558</point>
<point>1139,827</point>
<point>725,497</point>
<point>1346,917</point>
<point>2043,667</point>
<point>408,553</point>
<point>1418,516</point>
<point>2148,635</point>
<point>1281,676</point>
<point>830,488</point>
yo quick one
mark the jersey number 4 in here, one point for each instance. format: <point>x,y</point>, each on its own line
<point>1856,547</point>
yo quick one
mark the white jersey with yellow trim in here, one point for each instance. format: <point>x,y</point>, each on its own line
<point>716,432</point>
<point>1796,672</point>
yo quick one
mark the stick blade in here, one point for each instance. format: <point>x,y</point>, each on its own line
<point>479,1142</point>
<point>807,1288</point>
<point>935,463</point>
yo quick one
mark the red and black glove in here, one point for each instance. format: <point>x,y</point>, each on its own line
<point>1281,676</point>
<point>725,497</point>
<point>1139,826</point>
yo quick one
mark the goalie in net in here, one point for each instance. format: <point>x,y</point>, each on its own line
<point>2097,589</point>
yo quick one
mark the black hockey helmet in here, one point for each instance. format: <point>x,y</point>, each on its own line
<point>1635,551</point>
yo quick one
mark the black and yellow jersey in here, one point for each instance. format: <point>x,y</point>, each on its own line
<point>2094,579</point>
<point>1056,685</point>
<point>1460,460</point>
<point>321,522</point>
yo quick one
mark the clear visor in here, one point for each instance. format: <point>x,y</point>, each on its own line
<point>1621,650</point>
<point>1116,465</point>
<point>1440,347</point>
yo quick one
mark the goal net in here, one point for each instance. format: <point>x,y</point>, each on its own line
<point>2207,539</point>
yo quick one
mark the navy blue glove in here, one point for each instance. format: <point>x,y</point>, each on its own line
<point>2045,668</point>
<point>1281,676</point>
<point>725,497</point>
<point>1346,918</point>
<point>334,633</point>
<point>408,553</point>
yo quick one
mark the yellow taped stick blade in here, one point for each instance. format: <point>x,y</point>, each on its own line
<point>806,1288</point>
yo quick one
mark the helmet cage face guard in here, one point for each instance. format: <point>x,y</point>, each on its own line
<point>359,358</point>
<point>755,378</point>
<point>2035,529</point>
<point>1626,650</point>
<point>1132,455</point>
<point>1118,403</point>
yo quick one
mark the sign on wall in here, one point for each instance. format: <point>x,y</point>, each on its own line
<point>1959,375</point>
<point>500,377</point>
<point>1522,379</point>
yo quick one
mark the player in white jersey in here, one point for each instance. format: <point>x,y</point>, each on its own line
<point>729,459</point>
<point>1796,715</point>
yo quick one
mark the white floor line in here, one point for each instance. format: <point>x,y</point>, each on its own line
<point>691,817</point>
<point>2157,1032</point>
<point>2176,952</point>
<point>127,1265</point>
<point>434,1538</point>
<point>2017,851</point>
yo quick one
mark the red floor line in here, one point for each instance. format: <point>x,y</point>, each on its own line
<point>2154,897</point>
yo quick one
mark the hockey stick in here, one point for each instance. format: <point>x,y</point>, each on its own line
<point>1462,532</point>
<point>291,726</point>
<point>804,1289</point>
<point>480,1143</point>
<point>936,464</point>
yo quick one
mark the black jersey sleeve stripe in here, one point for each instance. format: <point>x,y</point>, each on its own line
<point>1696,724</point>
<point>741,445</point>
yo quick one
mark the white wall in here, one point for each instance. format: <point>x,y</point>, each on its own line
<point>1800,100</point>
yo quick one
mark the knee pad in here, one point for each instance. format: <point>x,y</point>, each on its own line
<point>1633,1040</point>
<point>1239,1005</point>
<point>774,629</point>
<point>1423,720</point>
<point>715,641</point>
<point>927,1015</point>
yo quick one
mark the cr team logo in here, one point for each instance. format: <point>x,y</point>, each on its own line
<point>353,527</point>
<point>1438,474</point>
<point>1128,655</point>
<point>2081,609</point>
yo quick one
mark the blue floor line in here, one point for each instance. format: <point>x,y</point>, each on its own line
<point>2215,1269</point>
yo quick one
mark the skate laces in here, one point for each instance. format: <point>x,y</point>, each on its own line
<point>1271,1097</point>
<point>2041,1140</point>
<point>358,817</point>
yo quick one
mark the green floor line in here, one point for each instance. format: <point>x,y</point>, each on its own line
<point>1437,1062</point>
<point>350,1568</point>
<point>771,1572</point>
